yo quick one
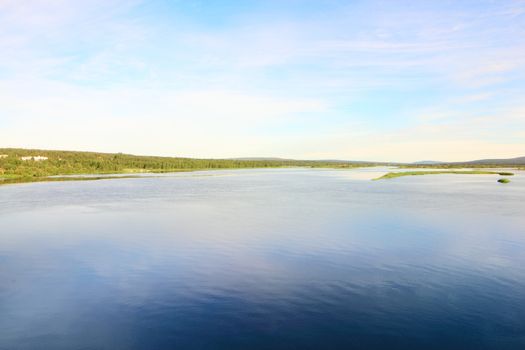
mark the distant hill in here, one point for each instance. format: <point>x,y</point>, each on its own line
<point>427,162</point>
<point>337,161</point>
<point>480,163</point>
<point>261,158</point>
<point>356,162</point>
<point>509,161</point>
<point>485,163</point>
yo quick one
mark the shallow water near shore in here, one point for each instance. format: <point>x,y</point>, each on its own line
<point>264,259</point>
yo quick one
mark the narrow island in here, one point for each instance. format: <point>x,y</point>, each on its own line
<point>393,175</point>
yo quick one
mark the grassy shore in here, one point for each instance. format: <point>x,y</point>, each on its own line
<point>393,175</point>
<point>17,180</point>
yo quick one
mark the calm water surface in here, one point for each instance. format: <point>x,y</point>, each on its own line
<point>264,259</point>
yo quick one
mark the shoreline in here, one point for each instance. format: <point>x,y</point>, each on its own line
<point>13,180</point>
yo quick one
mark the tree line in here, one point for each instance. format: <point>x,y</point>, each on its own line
<point>71,162</point>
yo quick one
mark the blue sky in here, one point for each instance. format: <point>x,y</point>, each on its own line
<point>377,80</point>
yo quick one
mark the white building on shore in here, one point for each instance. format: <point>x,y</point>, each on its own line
<point>35,158</point>
<point>3,156</point>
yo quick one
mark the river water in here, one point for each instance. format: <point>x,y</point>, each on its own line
<point>264,259</point>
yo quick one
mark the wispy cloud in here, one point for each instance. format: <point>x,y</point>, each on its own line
<point>330,80</point>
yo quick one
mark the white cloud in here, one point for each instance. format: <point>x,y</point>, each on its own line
<point>90,75</point>
<point>196,123</point>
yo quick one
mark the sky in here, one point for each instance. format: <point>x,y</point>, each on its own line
<point>383,80</point>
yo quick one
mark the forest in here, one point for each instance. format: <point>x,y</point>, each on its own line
<point>27,164</point>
